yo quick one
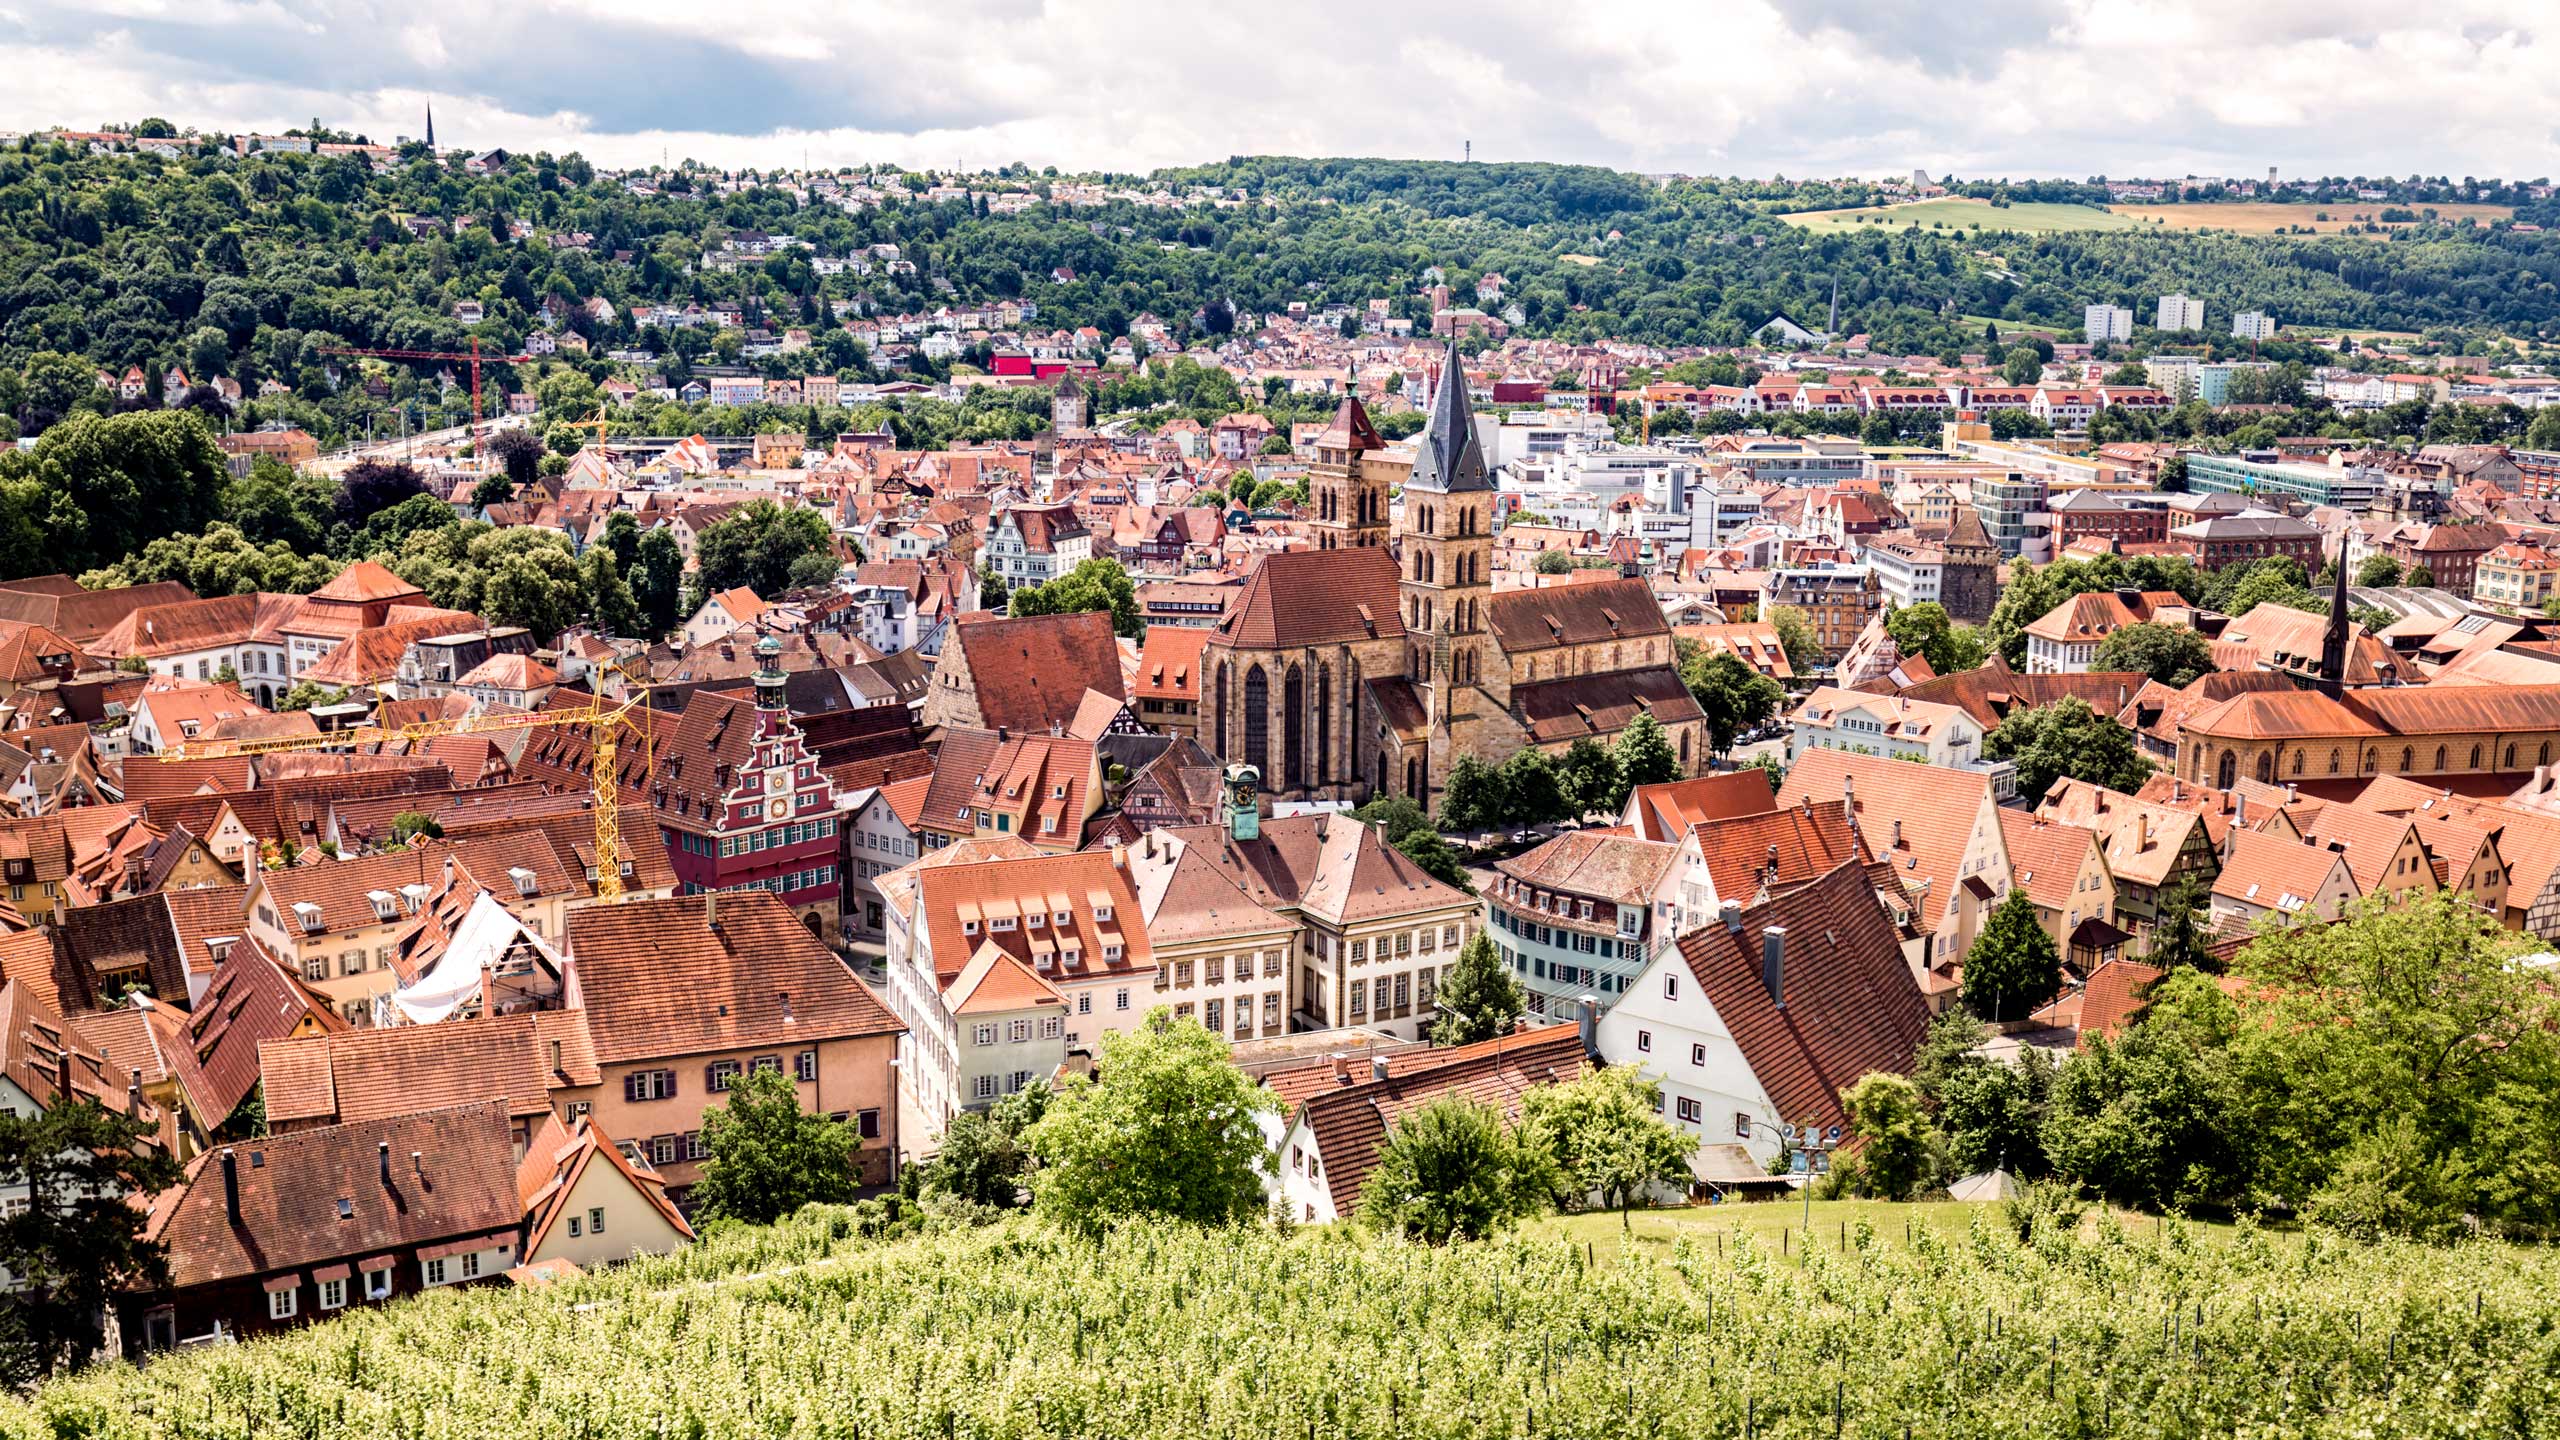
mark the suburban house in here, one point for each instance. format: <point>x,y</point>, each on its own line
<point>1760,1017</point>
<point>1337,1118</point>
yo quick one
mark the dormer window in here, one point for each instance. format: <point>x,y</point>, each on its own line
<point>309,915</point>
<point>525,883</point>
<point>968,927</point>
<point>1035,920</point>
<point>385,905</point>
<point>1102,912</point>
<point>1058,792</point>
<point>412,895</point>
<point>1063,919</point>
<point>1000,922</point>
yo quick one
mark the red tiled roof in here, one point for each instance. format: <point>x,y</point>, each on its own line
<point>1805,841</point>
<point>292,1188</point>
<point>1031,673</point>
<point>1667,811</point>
<point>1851,1005</point>
<point>657,981</point>
<point>1351,1122</point>
<point>1316,597</point>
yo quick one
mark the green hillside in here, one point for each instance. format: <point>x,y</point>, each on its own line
<point>1014,1330</point>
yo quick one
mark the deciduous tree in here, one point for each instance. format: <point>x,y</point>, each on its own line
<point>1454,1169</point>
<point>1164,1127</point>
<point>2013,966</point>
<point>768,1157</point>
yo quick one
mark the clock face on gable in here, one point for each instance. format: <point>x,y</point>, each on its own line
<point>777,782</point>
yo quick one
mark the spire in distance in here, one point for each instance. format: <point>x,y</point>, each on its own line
<point>431,127</point>
<point>2333,641</point>
<point>1450,460</point>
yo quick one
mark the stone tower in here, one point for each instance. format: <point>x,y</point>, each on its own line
<point>1349,505</point>
<point>1969,581</point>
<point>1445,545</point>
<point>1067,406</point>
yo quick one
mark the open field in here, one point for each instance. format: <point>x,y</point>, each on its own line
<point>1159,1332</point>
<point>2270,219</point>
<point>1962,214</point>
<point>1779,1225</point>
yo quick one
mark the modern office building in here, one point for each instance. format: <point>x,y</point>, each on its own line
<point>2352,487</point>
<point>2253,325</point>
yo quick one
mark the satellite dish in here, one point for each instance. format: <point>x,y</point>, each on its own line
<point>1833,1134</point>
<point>1795,1132</point>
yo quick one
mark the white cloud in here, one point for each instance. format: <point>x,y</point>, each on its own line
<point>2018,87</point>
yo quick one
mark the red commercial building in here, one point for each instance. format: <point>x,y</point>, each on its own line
<point>2081,514</point>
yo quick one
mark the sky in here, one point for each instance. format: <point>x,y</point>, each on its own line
<point>1726,87</point>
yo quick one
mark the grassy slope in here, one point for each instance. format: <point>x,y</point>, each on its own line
<point>1016,1330</point>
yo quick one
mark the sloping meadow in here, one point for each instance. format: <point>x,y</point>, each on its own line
<point>806,1329</point>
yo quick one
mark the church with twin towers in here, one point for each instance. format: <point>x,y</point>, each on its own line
<point>1367,665</point>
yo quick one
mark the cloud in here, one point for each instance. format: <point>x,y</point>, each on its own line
<point>1990,87</point>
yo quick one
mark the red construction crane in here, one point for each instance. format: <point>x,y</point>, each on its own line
<point>474,358</point>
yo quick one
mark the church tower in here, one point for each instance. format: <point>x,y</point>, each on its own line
<point>2333,641</point>
<point>1348,503</point>
<point>1446,551</point>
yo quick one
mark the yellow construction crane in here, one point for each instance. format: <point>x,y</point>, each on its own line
<point>605,722</point>
<point>599,424</point>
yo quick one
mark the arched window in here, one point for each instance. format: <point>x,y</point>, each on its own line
<point>2267,768</point>
<point>2475,757</point>
<point>1293,714</point>
<point>2408,758</point>
<point>1257,720</point>
<point>1324,724</point>
<point>1223,669</point>
<point>2297,762</point>
<point>2511,759</point>
<point>2334,758</point>
<point>2226,773</point>
<point>2440,757</point>
<point>1413,778</point>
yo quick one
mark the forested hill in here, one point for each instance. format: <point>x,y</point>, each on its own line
<point>240,266</point>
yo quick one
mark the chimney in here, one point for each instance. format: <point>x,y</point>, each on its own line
<point>1341,1068</point>
<point>63,1075</point>
<point>1731,913</point>
<point>2177,789</point>
<point>1773,963</point>
<point>231,1184</point>
<point>1773,860</point>
<point>555,1057</point>
<point>1897,834</point>
<point>418,1165</point>
<point>2239,810</point>
<point>133,1094</point>
<point>382,1159</point>
<point>1377,1067</point>
<point>1589,1023</point>
<point>2141,831</point>
<point>784,996</point>
<point>711,910</point>
<point>1849,792</point>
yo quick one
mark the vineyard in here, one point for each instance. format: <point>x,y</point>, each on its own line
<point>805,1329</point>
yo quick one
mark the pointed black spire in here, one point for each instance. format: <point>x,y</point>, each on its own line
<point>2333,641</point>
<point>431,127</point>
<point>1450,460</point>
